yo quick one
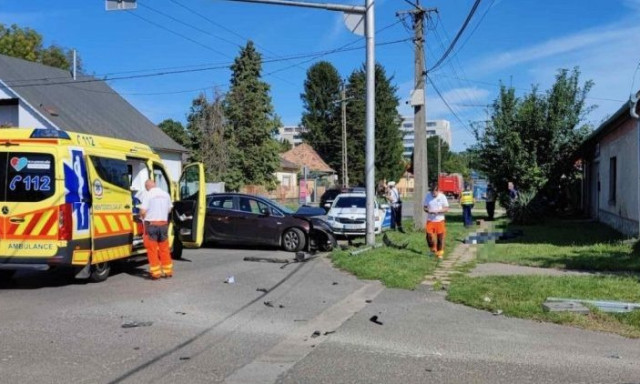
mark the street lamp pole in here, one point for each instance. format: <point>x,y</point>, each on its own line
<point>369,26</point>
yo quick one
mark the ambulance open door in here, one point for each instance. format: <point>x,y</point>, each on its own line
<point>190,210</point>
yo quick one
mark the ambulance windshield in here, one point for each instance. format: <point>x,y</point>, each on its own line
<point>26,177</point>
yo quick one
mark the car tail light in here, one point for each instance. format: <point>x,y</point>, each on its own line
<point>65,222</point>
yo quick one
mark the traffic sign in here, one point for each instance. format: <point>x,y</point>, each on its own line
<point>120,5</point>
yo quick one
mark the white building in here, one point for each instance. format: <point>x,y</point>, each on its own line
<point>441,128</point>
<point>291,133</point>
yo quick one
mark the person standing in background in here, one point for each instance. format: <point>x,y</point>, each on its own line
<point>490,198</point>
<point>393,197</point>
<point>467,202</point>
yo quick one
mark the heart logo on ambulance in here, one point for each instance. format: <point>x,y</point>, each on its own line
<point>18,163</point>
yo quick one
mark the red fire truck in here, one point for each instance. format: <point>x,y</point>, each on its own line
<point>451,184</point>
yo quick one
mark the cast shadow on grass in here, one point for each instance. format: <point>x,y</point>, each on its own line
<point>615,262</point>
<point>565,233</point>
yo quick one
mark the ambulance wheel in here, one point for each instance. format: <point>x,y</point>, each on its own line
<point>99,272</point>
<point>293,240</point>
<point>176,250</point>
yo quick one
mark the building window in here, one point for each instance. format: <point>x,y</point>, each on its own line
<point>431,124</point>
<point>613,178</point>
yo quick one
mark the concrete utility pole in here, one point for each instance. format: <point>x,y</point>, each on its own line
<point>345,166</point>
<point>369,25</point>
<point>420,165</point>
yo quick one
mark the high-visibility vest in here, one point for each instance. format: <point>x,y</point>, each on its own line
<point>467,198</point>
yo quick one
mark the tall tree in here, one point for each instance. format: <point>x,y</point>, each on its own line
<point>26,43</point>
<point>175,130</point>
<point>209,139</point>
<point>252,122</point>
<point>388,155</point>
<point>531,140</point>
<point>322,116</point>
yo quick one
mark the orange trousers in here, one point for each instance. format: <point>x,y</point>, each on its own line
<point>159,257</point>
<point>438,230</point>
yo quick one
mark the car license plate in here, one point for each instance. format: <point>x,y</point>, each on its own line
<point>352,226</point>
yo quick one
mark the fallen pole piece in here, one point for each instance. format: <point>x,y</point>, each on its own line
<point>604,306</point>
<point>267,259</point>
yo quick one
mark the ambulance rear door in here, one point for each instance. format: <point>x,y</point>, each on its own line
<point>112,229</point>
<point>190,210</point>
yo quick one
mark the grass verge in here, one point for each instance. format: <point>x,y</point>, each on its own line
<point>400,268</point>
<point>522,296</point>
<point>579,245</point>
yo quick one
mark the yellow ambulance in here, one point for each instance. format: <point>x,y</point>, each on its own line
<point>71,200</point>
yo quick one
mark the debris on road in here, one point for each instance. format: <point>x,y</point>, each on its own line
<point>268,304</point>
<point>604,306</point>
<point>230,280</point>
<point>368,301</point>
<point>329,332</point>
<point>280,306</point>
<point>265,290</point>
<point>185,358</point>
<point>497,312</point>
<point>315,334</point>
<point>374,319</point>
<point>614,356</point>
<point>180,313</point>
<point>565,306</point>
<point>335,283</point>
<point>136,324</point>
<point>267,259</point>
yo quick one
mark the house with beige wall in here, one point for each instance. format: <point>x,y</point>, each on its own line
<point>610,159</point>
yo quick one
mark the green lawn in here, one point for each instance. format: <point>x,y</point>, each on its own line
<point>522,296</point>
<point>400,268</point>
<point>580,245</point>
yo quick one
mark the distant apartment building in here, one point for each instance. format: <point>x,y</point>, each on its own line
<point>441,128</point>
<point>291,133</point>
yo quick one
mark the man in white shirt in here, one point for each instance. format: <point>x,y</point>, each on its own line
<point>393,197</point>
<point>155,209</point>
<point>436,205</point>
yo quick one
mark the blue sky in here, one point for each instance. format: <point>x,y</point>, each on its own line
<point>518,42</point>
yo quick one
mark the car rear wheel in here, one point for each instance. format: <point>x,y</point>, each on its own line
<point>99,272</point>
<point>6,274</point>
<point>293,240</point>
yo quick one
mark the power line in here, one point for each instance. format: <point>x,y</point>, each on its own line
<point>447,105</point>
<point>455,40</point>
<point>177,33</point>
<point>188,25</point>
<point>474,28</point>
<point>191,70</point>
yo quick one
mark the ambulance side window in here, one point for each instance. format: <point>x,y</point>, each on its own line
<point>161,179</point>
<point>112,171</point>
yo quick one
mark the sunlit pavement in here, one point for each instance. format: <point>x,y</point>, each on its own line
<point>313,325</point>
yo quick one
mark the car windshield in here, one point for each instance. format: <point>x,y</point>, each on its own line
<point>351,202</point>
<point>282,208</point>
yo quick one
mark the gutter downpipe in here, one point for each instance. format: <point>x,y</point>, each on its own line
<point>635,115</point>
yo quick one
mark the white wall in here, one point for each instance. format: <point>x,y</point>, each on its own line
<point>173,162</point>
<point>22,115</point>
<point>623,213</point>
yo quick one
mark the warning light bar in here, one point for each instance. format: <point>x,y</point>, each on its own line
<point>45,133</point>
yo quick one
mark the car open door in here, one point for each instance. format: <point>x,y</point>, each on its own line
<point>190,209</point>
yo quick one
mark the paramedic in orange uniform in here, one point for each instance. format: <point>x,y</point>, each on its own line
<point>155,209</point>
<point>436,205</point>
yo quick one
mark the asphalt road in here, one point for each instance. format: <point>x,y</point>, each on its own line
<point>207,331</point>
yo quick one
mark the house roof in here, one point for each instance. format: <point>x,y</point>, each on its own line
<point>305,155</point>
<point>89,106</point>
<point>288,165</point>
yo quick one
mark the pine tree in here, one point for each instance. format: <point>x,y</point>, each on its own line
<point>388,153</point>
<point>322,116</point>
<point>252,123</point>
